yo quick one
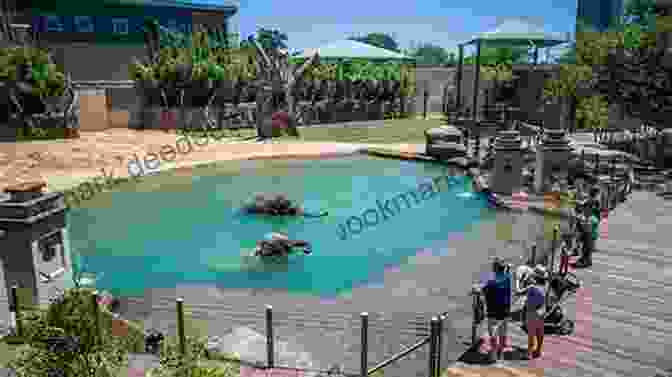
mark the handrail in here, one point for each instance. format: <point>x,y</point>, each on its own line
<point>104,83</point>
<point>399,355</point>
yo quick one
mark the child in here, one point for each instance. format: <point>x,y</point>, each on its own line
<point>534,316</point>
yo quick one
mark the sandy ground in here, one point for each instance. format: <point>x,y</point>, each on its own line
<point>64,163</point>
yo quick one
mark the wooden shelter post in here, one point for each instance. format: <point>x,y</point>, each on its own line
<point>460,62</point>
<point>477,77</point>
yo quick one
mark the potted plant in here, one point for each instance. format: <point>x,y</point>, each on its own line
<point>33,91</point>
<point>147,88</point>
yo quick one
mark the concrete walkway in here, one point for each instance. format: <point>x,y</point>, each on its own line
<point>623,325</point>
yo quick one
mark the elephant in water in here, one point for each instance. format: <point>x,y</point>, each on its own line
<point>279,245</point>
<point>276,205</point>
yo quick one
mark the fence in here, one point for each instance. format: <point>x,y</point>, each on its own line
<point>314,339</point>
<point>331,102</point>
<point>261,338</point>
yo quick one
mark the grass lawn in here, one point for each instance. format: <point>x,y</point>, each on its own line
<point>395,131</point>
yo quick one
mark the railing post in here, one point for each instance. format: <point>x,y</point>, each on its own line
<point>365,344</point>
<point>425,100</point>
<point>433,327</point>
<point>475,304</point>
<point>96,317</point>
<point>180,326</point>
<point>554,245</point>
<point>613,167</point>
<point>16,310</point>
<point>269,337</point>
<point>439,343</point>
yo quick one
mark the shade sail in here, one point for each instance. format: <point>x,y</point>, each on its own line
<point>347,49</point>
<point>518,32</point>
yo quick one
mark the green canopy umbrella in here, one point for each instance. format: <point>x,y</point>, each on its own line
<point>346,49</point>
<point>510,33</point>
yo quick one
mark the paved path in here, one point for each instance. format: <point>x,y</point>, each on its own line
<point>623,324</point>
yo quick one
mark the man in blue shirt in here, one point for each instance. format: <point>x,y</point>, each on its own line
<point>497,291</point>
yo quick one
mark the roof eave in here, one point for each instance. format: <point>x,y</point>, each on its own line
<point>229,8</point>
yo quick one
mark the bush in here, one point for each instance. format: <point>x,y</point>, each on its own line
<point>64,338</point>
<point>42,134</point>
<point>193,363</point>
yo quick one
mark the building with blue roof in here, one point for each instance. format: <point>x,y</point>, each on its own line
<point>97,39</point>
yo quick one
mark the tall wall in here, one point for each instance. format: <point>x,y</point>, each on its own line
<point>90,61</point>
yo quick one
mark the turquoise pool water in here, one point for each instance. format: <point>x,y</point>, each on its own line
<point>185,227</point>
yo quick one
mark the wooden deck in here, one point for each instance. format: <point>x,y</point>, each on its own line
<point>623,325</point>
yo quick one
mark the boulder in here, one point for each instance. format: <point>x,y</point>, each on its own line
<point>446,150</point>
<point>443,134</point>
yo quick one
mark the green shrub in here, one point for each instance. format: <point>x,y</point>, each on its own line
<point>41,134</point>
<point>70,315</point>
<point>194,363</point>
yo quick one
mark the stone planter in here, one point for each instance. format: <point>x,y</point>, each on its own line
<point>8,133</point>
<point>194,118</point>
<point>198,94</point>
<point>224,93</point>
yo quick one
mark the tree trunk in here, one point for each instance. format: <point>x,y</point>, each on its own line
<point>291,111</point>
<point>263,115</point>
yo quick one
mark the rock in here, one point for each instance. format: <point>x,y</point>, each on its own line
<point>446,150</point>
<point>462,162</point>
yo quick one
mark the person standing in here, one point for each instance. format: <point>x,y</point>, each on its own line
<point>594,204</point>
<point>534,316</point>
<point>591,226</point>
<point>497,291</point>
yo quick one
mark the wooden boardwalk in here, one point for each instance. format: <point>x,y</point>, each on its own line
<point>623,324</point>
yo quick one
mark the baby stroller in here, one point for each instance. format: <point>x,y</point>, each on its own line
<point>560,288</point>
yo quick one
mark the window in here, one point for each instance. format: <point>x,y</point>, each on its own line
<point>172,25</point>
<point>55,23</point>
<point>84,24</point>
<point>120,25</point>
<point>185,28</point>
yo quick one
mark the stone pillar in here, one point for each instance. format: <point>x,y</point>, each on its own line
<point>33,244</point>
<point>555,115</point>
<point>552,158</point>
<point>508,167</point>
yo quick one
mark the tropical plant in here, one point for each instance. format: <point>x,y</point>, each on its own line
<point>593,113</point>
<point>271,38</point>
<point>276,72</point>
<point>32,70</point>
<point>191,364</point>
<point>566,87</point>
<point>636,75</point>
<point>65,338</point>
<point>500,55</point>
<point>428,53</point>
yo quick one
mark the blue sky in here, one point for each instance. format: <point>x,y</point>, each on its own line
<point>443,22</point>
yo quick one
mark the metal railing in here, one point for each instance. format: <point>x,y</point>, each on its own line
<point>103,84</point>
<point>434,340</point>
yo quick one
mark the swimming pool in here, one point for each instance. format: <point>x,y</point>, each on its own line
<point>184,227</point>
